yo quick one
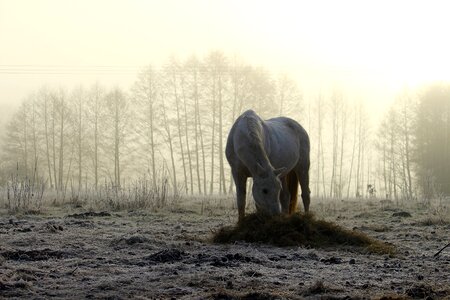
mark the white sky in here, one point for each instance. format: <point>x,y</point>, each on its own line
<point>371,48</point>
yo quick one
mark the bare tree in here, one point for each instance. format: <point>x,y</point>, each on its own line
<point>407,109</point>
<point>166,125</point>
<point>119,119</point>
<point>96,99</point>
<point>62,119</point>
<point>15,144</point>
<point>78,99</point>
<point>146,91</point>
<point>343,122</point>
<point>289,97</point>
<point>193,68</point>
<point>44,94</point>
<point>173,69</point>
<point>186,129</point>
<point>320,153</point>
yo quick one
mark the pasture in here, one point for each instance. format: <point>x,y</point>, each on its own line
<point>79,251</point>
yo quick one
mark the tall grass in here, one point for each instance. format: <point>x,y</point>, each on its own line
<point>140,194</point>
<point>24,194</point>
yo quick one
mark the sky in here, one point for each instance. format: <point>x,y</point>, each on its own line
<point>370,49</point>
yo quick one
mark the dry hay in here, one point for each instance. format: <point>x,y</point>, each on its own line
<point>299,230</point>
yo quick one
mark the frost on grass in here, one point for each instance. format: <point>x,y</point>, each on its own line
<point>299,230</point>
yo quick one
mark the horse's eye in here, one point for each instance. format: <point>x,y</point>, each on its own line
<point>265,191</point>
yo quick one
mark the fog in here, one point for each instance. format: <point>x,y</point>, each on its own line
<point>349,58</point>
<point>118,178</point>
<point>370,49</point>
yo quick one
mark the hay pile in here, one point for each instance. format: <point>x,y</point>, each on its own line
<point>299,230</point>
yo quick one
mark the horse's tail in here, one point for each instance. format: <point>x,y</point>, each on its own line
<point>292,182</point>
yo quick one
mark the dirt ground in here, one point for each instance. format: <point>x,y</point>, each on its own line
<point>77,253</point>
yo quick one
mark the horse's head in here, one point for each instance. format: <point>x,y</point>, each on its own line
<point>266,191</point>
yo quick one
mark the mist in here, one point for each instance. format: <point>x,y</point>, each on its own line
<point>302,55</point>
<point>119,112</point>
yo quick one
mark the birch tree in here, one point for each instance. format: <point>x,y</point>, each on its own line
<point>145,93</point>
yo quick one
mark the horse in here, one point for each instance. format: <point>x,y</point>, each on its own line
<point>275,153</point>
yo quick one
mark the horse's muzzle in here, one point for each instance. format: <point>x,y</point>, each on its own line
<point>269,211</point>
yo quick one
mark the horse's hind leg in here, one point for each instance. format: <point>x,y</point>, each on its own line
<point>285,196</point>
<point>304,184</point>
<point>293,190</point>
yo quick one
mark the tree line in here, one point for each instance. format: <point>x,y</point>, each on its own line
<point>414,142</point>
<point>172,124</point>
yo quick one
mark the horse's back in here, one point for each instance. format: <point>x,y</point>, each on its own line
<point>289,142</point>
<point>286,124</point>
<point>287,130</point>
<point>283,138</point>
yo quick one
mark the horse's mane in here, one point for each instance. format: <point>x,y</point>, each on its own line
<point>254,129</point>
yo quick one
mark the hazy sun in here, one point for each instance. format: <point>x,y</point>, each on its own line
<point>401,42</point>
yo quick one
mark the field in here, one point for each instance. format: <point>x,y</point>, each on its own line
<point>76,251</point>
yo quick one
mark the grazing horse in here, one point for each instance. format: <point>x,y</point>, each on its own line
<point>275,153</point>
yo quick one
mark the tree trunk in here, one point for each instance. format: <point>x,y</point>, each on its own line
<point>186,135</point>
<point>335,131</point>
<point>61,146</point>
<point>54,142</point>
<point>177,106</point>
<point>319,138</point>
<point>79,142</point>
<point>353,154</point>
<point>35,151</point>
<point>358,163</point>
<point>47,148</point>
<point>25,140</point>
<point>343,133</point>
<point>169,140</point>
<point>96,117</point>
<point>407,152</point>
<point>213,128</point>
<point>198,137</point>
<point>116,141</point>
<point>221,150</point>
<point>384,169</point>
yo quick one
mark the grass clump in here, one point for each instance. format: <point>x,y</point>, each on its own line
<point>431,221</point>
<point>299,230</point>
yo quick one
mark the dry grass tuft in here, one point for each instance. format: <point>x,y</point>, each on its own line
<point>434,220</point>
<point>299,230</point>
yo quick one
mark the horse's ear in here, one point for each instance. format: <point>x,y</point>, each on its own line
<point>280,171</point>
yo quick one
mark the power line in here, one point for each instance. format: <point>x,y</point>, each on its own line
<point>66,70</point>
<point>118,70</point>
<point>64,73</point>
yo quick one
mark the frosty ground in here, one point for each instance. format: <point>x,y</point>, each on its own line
<point>83,252</point>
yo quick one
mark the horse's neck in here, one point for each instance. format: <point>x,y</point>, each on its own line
<point>258,142</point>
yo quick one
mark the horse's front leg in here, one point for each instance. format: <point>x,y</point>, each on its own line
<point>285,196</point>
<point>241,191</point>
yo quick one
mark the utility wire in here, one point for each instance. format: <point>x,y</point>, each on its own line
<point>116,70</point>
<point>66,70</point>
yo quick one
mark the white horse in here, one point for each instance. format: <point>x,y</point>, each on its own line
<point>275,153</point>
